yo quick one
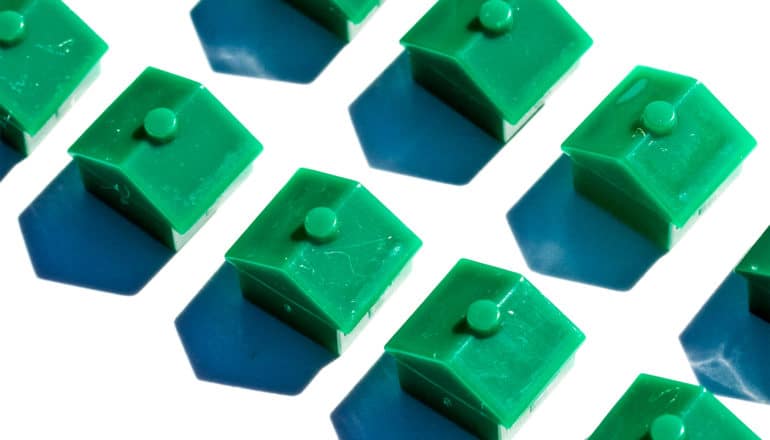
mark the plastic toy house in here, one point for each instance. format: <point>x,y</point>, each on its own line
<point>755,267</point>
<point>660,409</point>
<point>483,348</point>
<point>495,61</point>
<point>321,256</point>
<point>656,152</point>
<point>344,18</point>
<point>164,154</point>
<point>46,54</point>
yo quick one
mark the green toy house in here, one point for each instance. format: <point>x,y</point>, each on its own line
<point>344,18</point>
<point>495,61</point>
<point>47,56</point>
<point>321,256</point>
<point>660,409</point>
<point>656,152</point>
<point>483,348</point>
<point>164,154</point>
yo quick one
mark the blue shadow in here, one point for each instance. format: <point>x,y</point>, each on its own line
<point>74,238</point>
<point>564,235</point>
<point>403,128</point>
<point>228,340</point>
<point>378,409</point>
<point>8,159</point>
<point>263,38</point>
<point>728,347</point>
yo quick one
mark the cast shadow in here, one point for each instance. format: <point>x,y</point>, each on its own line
<point>264,39</point>
<point>727,345</point>
<point>403,128</point>
<point>8,159</point>
<point>377,409</point>
<point>228,340</point>
<point>74,238</point>
<point>564,235</point>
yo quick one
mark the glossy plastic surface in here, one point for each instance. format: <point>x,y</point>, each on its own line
<point>494,60</point>
<point>46,52</point>
<point>483,348</point>
<point>755,267</point>
<point>661,409</point>
<point>164,154</point>
<point>656,152</point>
<point>321,256</point>
<point>342,17</point>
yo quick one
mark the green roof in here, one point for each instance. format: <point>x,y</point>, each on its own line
<point>509,69</point>
<point>488,339</point>
<point>327,245</point>
<point>661,409</point>
<point>46,51</point>
<point>182,177</point>
<point>664,140</point>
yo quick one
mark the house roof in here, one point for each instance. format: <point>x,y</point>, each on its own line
<point>495,333</point>
<point>653,405</point>
<point>333,239</point>
<point>46,51</point>
<point>514,67</point>
<point>668,134</point>
<point>174,141</point>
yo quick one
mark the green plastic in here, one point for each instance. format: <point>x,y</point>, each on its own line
<point>661,409</point>
<point>47,56</point>
<point>483,348</point>
<point>495,61</point>
<point>165,154</point>
<point>344,18</point>
<point>321,256</point>
<point>656,152</point>
<point>755,267</point>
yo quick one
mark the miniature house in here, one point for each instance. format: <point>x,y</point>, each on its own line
<point>483,348</point>
<point>47,56</point>
<point>344,18</point>
<point>656,152</point>
<point>164,154</point>
<point>495,61</point>
<point>660,409</point>
<point>321,256</point>
<point>755,267</point>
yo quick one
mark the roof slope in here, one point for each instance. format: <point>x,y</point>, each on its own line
<point>516,69</point>
<point>342,278</point>
<point>506,371</point>
<point>182,178</point>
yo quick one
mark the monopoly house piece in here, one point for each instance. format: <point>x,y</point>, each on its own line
<point>495,61</point>
<point>321,256</point>
<point>656,152</point>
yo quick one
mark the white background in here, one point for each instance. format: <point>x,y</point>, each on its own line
<point>81,364</point>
